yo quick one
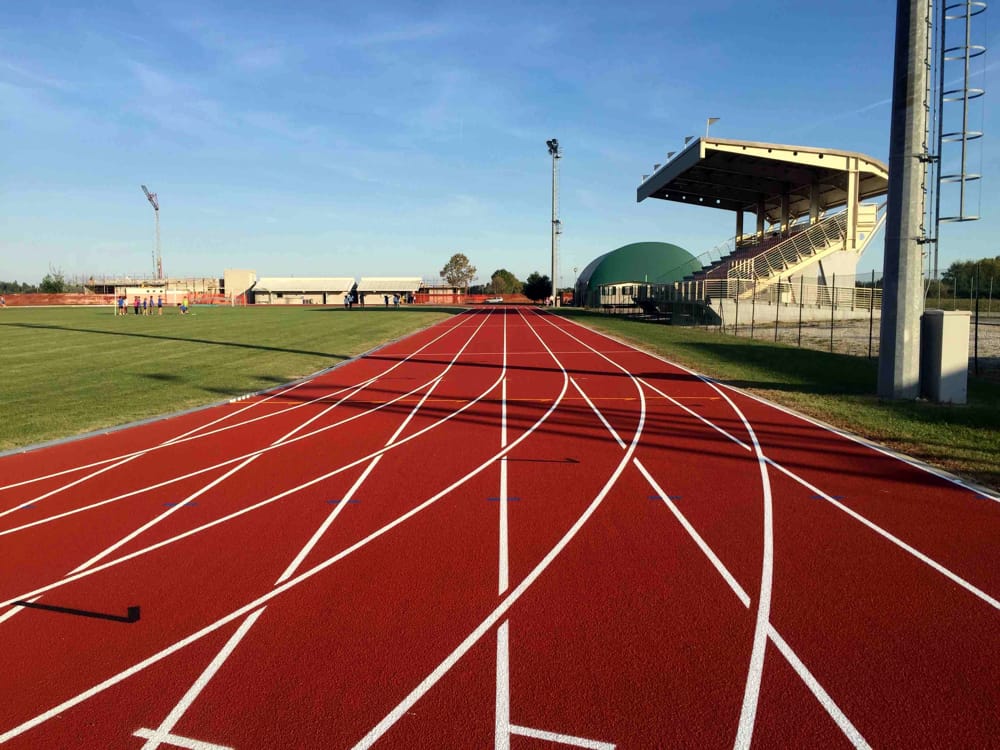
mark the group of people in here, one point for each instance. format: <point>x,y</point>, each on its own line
<point>145,305</point>
<point>350,299</point>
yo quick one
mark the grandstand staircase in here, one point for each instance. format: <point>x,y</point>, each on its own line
<point>750,266</point>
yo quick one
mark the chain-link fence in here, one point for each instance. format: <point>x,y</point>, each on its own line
<point>842,316</point>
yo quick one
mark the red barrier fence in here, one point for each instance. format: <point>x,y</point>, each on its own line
<point>36,300</point>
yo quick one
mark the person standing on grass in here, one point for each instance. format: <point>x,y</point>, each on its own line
<point>386,298</point>
<point>121,305</point>
<point>159,304</point>
<point>135,304</point>
<point>144,306</point>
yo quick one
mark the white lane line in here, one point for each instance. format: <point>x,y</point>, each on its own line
<point>318,534</point>
<point>220,464</point>
<point>117,464</point>
<point>805,483</point>
<point>276,394</point>
<point>165,514</point>
<point>428,682</point>
<point>15,609</point>
<point>723,571</point>
<point>277,591</point>
<point>175,715</point>
<point>560,739</point>
<point>755,672</point>
<point>614,434</point>
<point>955,578</point>
<point>163,731</point>
<point>696,415</point>
<point>828,704</point>
<point>503,581</point>
<point>176,740</point>
<point>502,725</point>
<point>323,527</point>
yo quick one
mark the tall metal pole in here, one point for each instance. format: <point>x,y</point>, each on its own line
<point>553,145</point>
<point>159,257</point>
<point>899,355</point>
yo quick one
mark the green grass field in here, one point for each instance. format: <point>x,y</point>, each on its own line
<point>73,370</point>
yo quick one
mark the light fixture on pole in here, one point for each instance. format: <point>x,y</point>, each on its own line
<point>688,139</point>
<point>553,145</point>
<point>670,155</point>
<point>709,122</point>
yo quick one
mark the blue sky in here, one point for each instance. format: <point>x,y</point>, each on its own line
<point>378,139</point>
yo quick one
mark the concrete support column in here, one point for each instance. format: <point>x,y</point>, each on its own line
<point>760,219</point>
<point>813,201</point>
<point>739,225</point>
<point>853,194</point>
<point>902,296</point>
<point>784,212</point>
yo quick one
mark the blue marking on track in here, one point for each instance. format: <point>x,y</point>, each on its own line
<point>27,507</point>
<point>174,505</point>
<point>497,499</point>
<point>822,497</point>
<point>337,502</point>
<point>669,497</point>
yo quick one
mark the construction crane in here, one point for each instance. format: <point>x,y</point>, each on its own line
<point>157,258</point>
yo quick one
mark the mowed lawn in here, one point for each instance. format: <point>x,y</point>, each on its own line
<point>65,371</point>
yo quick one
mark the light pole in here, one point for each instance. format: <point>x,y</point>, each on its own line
<point>553,145</point>
<point>709,123</point>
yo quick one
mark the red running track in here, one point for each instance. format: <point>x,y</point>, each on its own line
<point>505,531</point>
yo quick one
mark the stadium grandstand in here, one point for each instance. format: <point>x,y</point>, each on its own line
<point>816,211</point>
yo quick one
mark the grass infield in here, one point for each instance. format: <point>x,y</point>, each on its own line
<point>67,371</point>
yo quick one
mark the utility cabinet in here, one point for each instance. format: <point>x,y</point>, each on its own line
<point>944,356</point>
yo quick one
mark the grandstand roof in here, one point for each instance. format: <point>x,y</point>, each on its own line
<point>389,283</point>
<point>734,175</point>
<point>303,284</point>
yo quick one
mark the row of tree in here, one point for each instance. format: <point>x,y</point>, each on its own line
<point>459,272</point>
<point>53,283</point>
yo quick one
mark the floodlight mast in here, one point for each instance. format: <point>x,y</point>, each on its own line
<point>553,145</point>
<point>157,258</point>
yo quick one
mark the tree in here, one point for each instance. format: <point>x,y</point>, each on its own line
<point>53,283</point>
<point>537,287</point>
<point>503,281</point>
<point>961,275</point>
<point>458,272</point>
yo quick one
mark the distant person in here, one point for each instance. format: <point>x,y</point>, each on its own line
<point>184,305</point>
<point>135,304</point>
<point>347,301</point>
<point>386,298</point>
<point>361,299</point>
<point>144,311</point>
<point>3,301</point>
<point>121,305</point>
<point>395,300</point>
<point>159,304</point>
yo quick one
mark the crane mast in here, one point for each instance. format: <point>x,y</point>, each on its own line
<point>157,257</point>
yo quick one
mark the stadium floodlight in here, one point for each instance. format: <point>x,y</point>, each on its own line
<point>708,123</point>
<point>556,155</point>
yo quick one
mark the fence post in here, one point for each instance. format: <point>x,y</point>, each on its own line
<point>871,313</point>
<point>753,307</point>
<point>802,285</point>
<point>777,310</point>
<point>975,350</point>
<point>833,305</point>
<point>736,323</point>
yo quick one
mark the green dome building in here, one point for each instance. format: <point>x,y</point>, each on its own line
<point>616,277</point>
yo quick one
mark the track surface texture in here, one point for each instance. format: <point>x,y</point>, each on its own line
<point>505,531</point>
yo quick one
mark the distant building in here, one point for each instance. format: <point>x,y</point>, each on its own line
<point>291,290</point>
<point>616,277</point>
